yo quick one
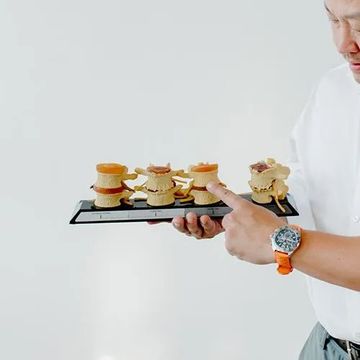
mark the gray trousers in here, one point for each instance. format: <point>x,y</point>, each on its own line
<point>319,346</point>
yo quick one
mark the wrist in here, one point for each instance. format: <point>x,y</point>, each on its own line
<point>285,240</point>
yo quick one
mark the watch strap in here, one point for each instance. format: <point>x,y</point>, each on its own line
<point>284,263</point>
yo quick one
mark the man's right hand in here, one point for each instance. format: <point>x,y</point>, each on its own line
<point>200,228</point>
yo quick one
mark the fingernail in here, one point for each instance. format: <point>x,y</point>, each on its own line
<point>190,217</point>
<point>176,224</point>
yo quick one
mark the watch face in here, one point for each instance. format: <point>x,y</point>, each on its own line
<point>287,239</point>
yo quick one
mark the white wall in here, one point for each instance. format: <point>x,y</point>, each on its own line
<point>83,82</point>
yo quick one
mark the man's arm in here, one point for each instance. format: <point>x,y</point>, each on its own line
<point>328,257</point>
<point>331,258</point>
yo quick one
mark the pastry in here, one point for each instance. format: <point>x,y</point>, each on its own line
<point>160,187</point>
<point>110,187</point>
<point>267,182</point>
<point>201,174</point>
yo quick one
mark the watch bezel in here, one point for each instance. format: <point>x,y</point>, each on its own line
<point>274,235</point>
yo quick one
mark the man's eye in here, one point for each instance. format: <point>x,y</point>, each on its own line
<point>333,20</point>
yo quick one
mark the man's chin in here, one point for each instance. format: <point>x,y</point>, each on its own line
<point>357,77</point>
<point>355,69</point>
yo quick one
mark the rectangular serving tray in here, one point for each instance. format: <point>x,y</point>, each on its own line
<point>86,212</point>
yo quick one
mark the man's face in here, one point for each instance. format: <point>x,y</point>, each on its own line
<point>344,16</point>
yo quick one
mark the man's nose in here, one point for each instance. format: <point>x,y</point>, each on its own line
<point>346,43</point>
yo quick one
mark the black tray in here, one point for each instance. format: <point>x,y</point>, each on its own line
<point>86,212</point>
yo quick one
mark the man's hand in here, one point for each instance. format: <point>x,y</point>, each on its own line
<point>247,228</point>
<point>200,228</point>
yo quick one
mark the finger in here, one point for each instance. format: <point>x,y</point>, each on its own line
<point>230,249</point>
<point>193,225</point>
<point>226,221</point>
<point>152,222</point>
<point>227,196</point>
<point>208,225</point>
<point>179,224</point>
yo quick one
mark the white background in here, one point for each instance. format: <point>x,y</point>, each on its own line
<point>135,82</point>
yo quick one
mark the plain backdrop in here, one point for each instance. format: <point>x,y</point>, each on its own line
<point>135,82</point>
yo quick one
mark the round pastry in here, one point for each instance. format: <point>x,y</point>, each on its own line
<point>160,186</point>
<point>110,187</point>
<point>201,174</point>
<point>267,182</point>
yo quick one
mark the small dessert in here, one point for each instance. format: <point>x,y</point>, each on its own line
<point>267,182</point>
<point>160,187</point>
<point>201,174</point>
<point>111,190</point>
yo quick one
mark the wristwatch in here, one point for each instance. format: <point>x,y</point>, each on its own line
<point>285,240</point>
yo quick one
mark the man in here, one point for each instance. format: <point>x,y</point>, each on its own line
<point>325,182</point>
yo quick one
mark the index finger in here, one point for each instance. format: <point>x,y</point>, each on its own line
<point>227,196</point>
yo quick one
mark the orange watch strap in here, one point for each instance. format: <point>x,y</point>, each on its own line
<point>284,263</point>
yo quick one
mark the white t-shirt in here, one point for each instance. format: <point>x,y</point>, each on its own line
<point>325,182</point>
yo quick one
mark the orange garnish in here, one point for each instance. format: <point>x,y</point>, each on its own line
<point>105,191</point>
<point>158,169</point>
<point>199,188</point>
<point>110,168</point>
<point>260,166</point>
<point>204,167</point>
